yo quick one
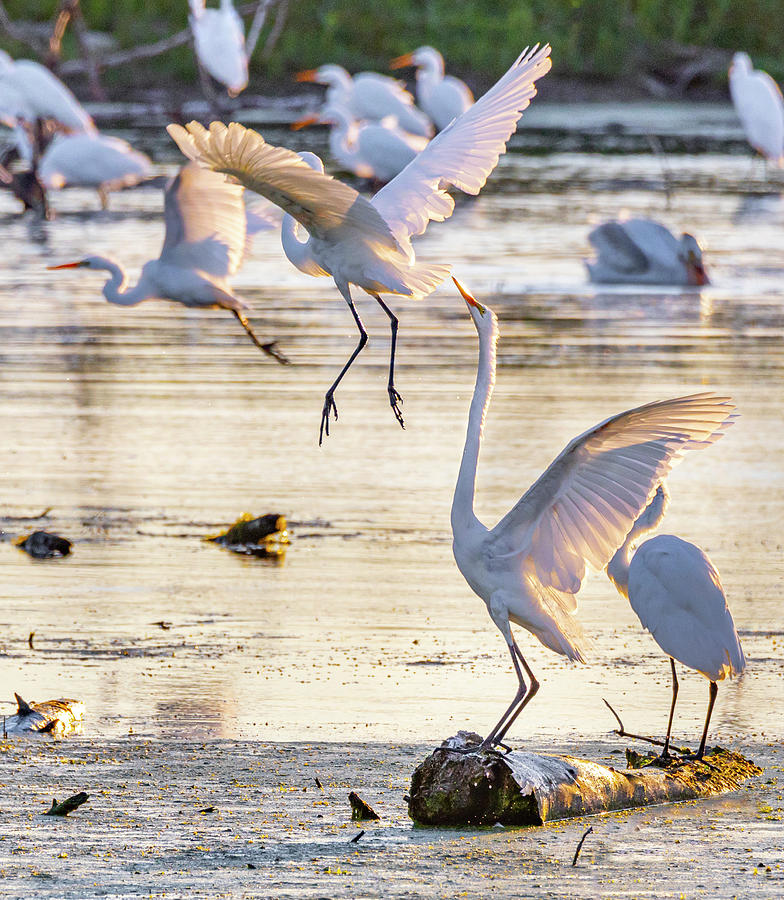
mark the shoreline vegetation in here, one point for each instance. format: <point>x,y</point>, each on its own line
<point>603,50</point>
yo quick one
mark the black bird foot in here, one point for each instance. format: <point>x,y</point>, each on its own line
<point>329,408</point>
<point>271,349</point>
<point>394,400</point>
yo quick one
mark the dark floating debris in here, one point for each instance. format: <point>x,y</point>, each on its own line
<point>454,787</point>
<point>356,837</point>
<point>265,536</point>
<point>30,640</point>
<point>44,545</point>
<point>580,845</point>
<point>360,811</point>
<point>67,806</point>
<point>58,717</point>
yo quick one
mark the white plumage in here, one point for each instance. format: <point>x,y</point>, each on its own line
<point>641,251</point>
<point>442,97</point>
<point>530,566</point>
<point>676,592</point>
<point>368,243</point>
<point>219,38</point>
<point>760,107</point>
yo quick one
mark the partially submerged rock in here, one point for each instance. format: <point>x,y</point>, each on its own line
<point>264,536</point>
<point>58,717</point>
<point>519,788</point>
<point>44,545</point>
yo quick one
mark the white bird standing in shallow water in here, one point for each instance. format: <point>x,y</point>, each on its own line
<point>676,592</point>
<point>760,107</point>
<point>641,251</point>
<point>368,243</point>
<point>442,97</point>
<point>219,37</point>
<point>529,568</point>
<point>205,243</point>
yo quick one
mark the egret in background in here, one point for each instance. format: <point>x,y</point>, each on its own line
<point>677,594</point>
<point>368,243</point>
<point>760,108</point>
<point>442,97</point>
<point>641,251</point>
<point>219,38</point>
<point>530,566</point>
<point>377,150</point>
<point>205,243</point>
<point>370,97</point>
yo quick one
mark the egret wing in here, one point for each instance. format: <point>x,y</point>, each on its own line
<point>581,508</point>
<point>463,154</point>
<point>329,209</point>
<point>205,222</point>
<point>615,248</point>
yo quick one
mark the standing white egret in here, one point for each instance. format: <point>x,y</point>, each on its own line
<point>368,243</point>
<point>530,566</point>
<point>219,37</point>
<point>205,243</point>
<point>760,107</point>
<point>442,97</point>
<point>641,251</point>
<point>370,97</point>
<point>676,592</point>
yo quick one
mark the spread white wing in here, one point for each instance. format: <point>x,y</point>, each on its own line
<point>581,508</point>
<point>463,154</point>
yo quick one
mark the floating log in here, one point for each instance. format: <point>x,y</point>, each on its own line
<point>264,536</point>
<point>519,788</point>
<point>58,717</point>
<point>44,545</point>
<point>67,806</point>
<point>361,811</point>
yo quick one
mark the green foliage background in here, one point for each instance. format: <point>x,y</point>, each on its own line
<point>596,38</point>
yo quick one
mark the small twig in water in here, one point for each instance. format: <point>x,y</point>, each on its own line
<point>622,732</point>
<point>580,844</point>
<point>356,837</point>
<point>319,785</point>
<point>30,640</point>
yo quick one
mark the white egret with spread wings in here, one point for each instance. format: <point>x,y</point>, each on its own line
<point>368,242</point>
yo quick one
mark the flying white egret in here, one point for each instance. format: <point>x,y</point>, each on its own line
<point>370,97</point>
<point>530,566</point>
<point>676,592</point>
<point>378,150</point>
<point>45,96</point>
<point>641,251</point>
<point>219,37</point>
<point>760,107</point>
<point>205,243</point>
<point>442,97</point>
<point>92,160</point>
<point>368,243</point>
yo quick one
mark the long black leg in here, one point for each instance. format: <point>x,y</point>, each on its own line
<point>714,689</point>
<point>269,348</point>
<point>666,751</point>
<point>394,397</point>
<point>329,402</point>
<point>534,687</point>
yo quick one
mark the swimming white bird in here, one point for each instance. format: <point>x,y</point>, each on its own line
<point>45,96</point>
<point>219,37</point>
<point>677,594</point>
<point>205,243</point>
<point>530,566</point>
<point>370,97</point>
<point>92,160</point>
<point>368,243</point>
<point>442,97</point>
<point>760,107</point>
<point>641,251</point>
<point>378,150</point>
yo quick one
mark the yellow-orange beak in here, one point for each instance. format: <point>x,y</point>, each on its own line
<point>73,265</point>
<point>469,298</point>
<point>304,122</point>
<point>407,59</point>
<point>306,75</point>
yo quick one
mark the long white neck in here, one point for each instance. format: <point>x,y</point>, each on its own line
<point>463,501</point>
<point>298,252</point>
<point>432,68</point>
<point>342,141</point>
<point>649,518</point>
<point>116,289</point>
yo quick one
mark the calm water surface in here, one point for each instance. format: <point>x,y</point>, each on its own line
<point>146,429</point>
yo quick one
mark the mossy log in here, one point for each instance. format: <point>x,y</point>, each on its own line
<point>58,717</point>
<point>451,788</point>
<point>263,536</point>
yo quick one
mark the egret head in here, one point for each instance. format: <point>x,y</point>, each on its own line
<point>741,64</point>
<point>329,74</point>
<point>312,160</point>
<point>89,262</point>
<point>420,57</point>
<point>690,254</point>
<point>484,318</point>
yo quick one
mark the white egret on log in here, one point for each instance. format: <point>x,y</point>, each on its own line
<point>530,566</point>
<point>677,594</point>
<point>368,243</point>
